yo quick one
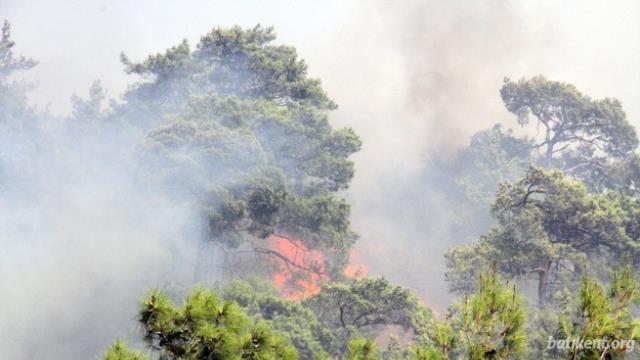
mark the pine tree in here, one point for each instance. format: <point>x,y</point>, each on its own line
<point>363,349</point>
<point>120,351</point>
<point>493,320</point>
<point>489,324</point>
<point>604,318</point>
<point>204,327</point>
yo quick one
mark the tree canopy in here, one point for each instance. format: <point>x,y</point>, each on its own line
<point>247,135</point>
<point>13,100</point>
<point>488,324</point>
<point>204,327</point>
<point>570,119</point>
<point>547,226</point>
<point>588,139</point>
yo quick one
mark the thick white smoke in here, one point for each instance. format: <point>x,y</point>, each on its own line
<point>415,79</point>
<point>82,241</point>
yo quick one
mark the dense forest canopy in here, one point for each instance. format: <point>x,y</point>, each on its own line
<point>246,132</point>
<point>236,131</point>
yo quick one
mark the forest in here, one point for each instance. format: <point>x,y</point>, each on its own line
<point>231,138</point>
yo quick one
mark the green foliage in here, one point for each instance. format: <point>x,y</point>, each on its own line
<point>464,261</point>
<point>603,315</point>
<point>493,321</point>
<point>549,223</point>
<point>253,322</point>
<point>439,343</point>
<point>228,62</point>
<point>590,140</point>
<point>493,156</point>
<point>263,345</point>
<point>362,349</point>
<point>426,353</point>
<point>13,94</point>
<point>291,318</point>
<point>547,226</point>
<point>444,339</point>
<point>120,351</point>
<point>204,327</point>
<point>249,320</point>
<point>323,324</point>
<point>542,323</point>
<point>90,109</point>
<point>620,175</point>
<point>9,64</point>
<point>488,324</point>
<point>570,119</point>
<point>362,306</point>
<point>237,127</point>
<point>472,177</point>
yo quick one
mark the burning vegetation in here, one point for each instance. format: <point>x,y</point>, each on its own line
<point>236,135</point>
<point>301,271</point>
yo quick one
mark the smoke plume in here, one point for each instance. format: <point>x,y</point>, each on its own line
<point>82,239</point>
<point>416,79</point>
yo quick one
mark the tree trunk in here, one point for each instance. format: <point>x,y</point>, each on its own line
<point>548,156</point>
<point>543,280</point>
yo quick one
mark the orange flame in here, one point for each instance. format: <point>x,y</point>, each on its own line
<point>356,268</point>
<point>301,270</point>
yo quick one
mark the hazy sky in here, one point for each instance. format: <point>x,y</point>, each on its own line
<point>78,41</point>
<point>371,55</point>
<point>592,44</point>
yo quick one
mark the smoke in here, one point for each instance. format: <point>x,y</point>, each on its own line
<point>415,79</point>
<point>81,241</point>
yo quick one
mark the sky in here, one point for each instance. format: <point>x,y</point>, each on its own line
<point>352,46</point>
<point>374,56</point>
<point>79,41</point>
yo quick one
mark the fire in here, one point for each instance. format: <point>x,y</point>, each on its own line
<point>356,268</point>
<point>301,270</point>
